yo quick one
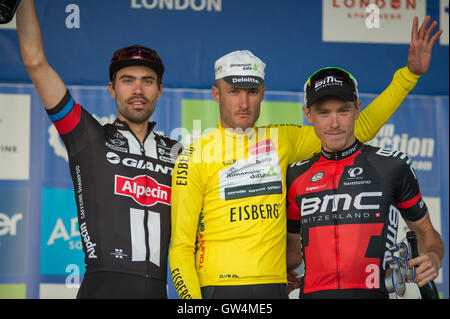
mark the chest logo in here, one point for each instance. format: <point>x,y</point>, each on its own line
<point>143,189</point>
<point>317,177</point>
<point>353,172</point>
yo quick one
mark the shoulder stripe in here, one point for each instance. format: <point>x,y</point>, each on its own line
<point>409,203</point>
<point>70,121</point>
<point>63,113</point>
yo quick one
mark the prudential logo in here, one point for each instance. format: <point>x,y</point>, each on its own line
<point>13,217</point>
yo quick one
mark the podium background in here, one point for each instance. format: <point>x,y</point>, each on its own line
<point>40,246</point>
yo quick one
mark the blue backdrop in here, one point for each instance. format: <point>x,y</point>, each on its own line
<point>285,34</point>
<point>40,248</point>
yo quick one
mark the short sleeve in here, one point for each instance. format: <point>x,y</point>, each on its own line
<point>407,195</point>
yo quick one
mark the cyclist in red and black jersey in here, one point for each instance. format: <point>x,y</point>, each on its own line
<point>345,202</point>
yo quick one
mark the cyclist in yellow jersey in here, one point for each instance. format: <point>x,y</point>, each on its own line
<point>228,187</point>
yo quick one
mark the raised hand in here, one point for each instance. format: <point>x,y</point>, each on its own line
<point>419,54</point>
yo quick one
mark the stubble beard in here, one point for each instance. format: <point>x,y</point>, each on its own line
<point>133,115</point>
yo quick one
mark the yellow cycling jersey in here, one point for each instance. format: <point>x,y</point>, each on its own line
<point>229,197</point>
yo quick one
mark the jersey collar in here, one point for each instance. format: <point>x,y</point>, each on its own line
<point>237,133</point>
<point>122,125</point>
<point>336,156</point>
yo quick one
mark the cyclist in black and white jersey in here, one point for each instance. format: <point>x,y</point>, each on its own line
<point>121,171</point>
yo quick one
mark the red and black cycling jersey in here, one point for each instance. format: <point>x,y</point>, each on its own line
<point>346,206</point>
<point>122,191</point>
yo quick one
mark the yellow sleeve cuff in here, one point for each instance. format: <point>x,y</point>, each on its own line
<point>406,78</point>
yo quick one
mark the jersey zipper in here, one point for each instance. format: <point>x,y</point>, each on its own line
<point>336,237</point>
<point>146,230</point>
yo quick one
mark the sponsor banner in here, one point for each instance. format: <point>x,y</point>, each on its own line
<point>374,21</point>
<point>278,109</point>
<point>14,147</point>
<point>410,131</point>
<point>13,291</point>
<point>57,291</point>
<point>178,5</point>
<point>61,244</point>
<point>299,40</point>
<point>13,234</point>
<point>443,21</point>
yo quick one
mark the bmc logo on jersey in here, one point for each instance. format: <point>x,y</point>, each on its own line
<point>339,202</point>
<point>143,189</point>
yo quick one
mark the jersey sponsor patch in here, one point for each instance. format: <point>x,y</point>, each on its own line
<point>254,176</point>
<point>262,147</point>
<point>143,189</point>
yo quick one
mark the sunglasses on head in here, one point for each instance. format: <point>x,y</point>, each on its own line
<point>136,52</point>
